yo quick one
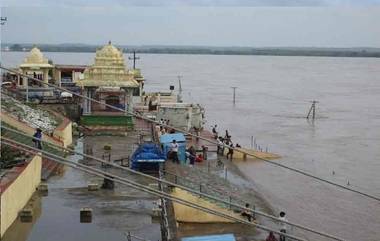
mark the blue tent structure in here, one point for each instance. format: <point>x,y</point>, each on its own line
<point>222,237</point>
<point>166,141</point>
<point>147,158</point>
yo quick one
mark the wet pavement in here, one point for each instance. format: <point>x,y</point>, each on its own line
<point>114,211</point>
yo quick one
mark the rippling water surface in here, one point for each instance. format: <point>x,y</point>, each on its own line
<point>272,98</point>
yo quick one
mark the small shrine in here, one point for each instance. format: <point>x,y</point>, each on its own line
<point>110,82</point>
<point>37,66</point>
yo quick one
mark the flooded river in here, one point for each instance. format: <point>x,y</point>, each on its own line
<point>272,99</point>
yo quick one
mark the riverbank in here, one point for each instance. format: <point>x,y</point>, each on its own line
<point>209,50</point>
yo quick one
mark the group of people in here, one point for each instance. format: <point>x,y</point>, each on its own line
<point>191,154</point>
<point>163,129</point>
<point>222,142</point>
<point>283,228</point>
<point>246,213</point>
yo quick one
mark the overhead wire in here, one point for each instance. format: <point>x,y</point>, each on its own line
<point>140,187</point>
<point>200,137</point>
<point>199,193</point>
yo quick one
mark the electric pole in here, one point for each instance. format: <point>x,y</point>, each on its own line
<point>312,110</point>
<point>234,94</point>
<point>134,58</point>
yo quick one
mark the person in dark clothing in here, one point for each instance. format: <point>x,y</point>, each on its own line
<point>230,151</point>
<point>247,214</point>
<point>37,137</point>
<point>283,225</point>
<point>214,131</point>
<point>271,237</point>
<point>227,136</point>
<point>192,155</point>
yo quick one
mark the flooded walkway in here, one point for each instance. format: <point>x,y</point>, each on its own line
<point>114,211</point>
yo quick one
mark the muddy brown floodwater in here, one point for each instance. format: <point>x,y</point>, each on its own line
<point>272,100</point>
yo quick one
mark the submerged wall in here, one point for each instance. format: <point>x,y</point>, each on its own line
<point>188,214</point>
<point>17,187</point>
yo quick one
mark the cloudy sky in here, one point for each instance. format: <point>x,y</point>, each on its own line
<point>257,23</point>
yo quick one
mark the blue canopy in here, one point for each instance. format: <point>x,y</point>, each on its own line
<point>148,152</point>
<point>223,237</point>
<point>168,138</point>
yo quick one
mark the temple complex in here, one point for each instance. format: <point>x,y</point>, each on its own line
<point>109,81</point>
<point>37,66</point>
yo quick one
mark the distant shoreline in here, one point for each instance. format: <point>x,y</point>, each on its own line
<point>281,51</point>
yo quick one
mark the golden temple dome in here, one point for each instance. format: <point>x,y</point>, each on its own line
<point>109,51</point>
<point>35,57</point>
<point>109,69</point>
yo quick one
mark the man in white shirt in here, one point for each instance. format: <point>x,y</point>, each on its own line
<point>282,225</point>
<point>174,151</point>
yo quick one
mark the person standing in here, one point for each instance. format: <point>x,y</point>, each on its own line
<point>219,145</point>
<point>271,237</point>
<point>37,137</point>
<point>230,151</point>
<point>214,131</point>
<point>174,151</point>
<point>282,225</point>
<point>192,155</point>
<point>204,152</point>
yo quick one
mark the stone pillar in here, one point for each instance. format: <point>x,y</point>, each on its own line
<point>59,77</point>
<point>85,101</point>
<point>125,102</point>
<point>46,77</point>
<point>190,117</point>
<point>24,79</point>
<point>130,100</point>
<point>90,95</point>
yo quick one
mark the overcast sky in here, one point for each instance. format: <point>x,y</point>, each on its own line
<point>256,23</point>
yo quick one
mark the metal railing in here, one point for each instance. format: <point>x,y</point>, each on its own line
<point>195,192</point>
<point>144,188</point>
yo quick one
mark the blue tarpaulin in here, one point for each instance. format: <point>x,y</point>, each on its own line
<point>166,141</point>
<point>168,138</point>
<point>222,237</point>
<point>148,154</point>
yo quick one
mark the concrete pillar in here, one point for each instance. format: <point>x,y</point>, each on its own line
<point>190,117</point>
<point>46,77</point>
<point>85,101</point>
<point>59,77</point>
<point>125,102</point>
<point>90,95</point>
<point>130,100</point>
<point>24,79</point>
